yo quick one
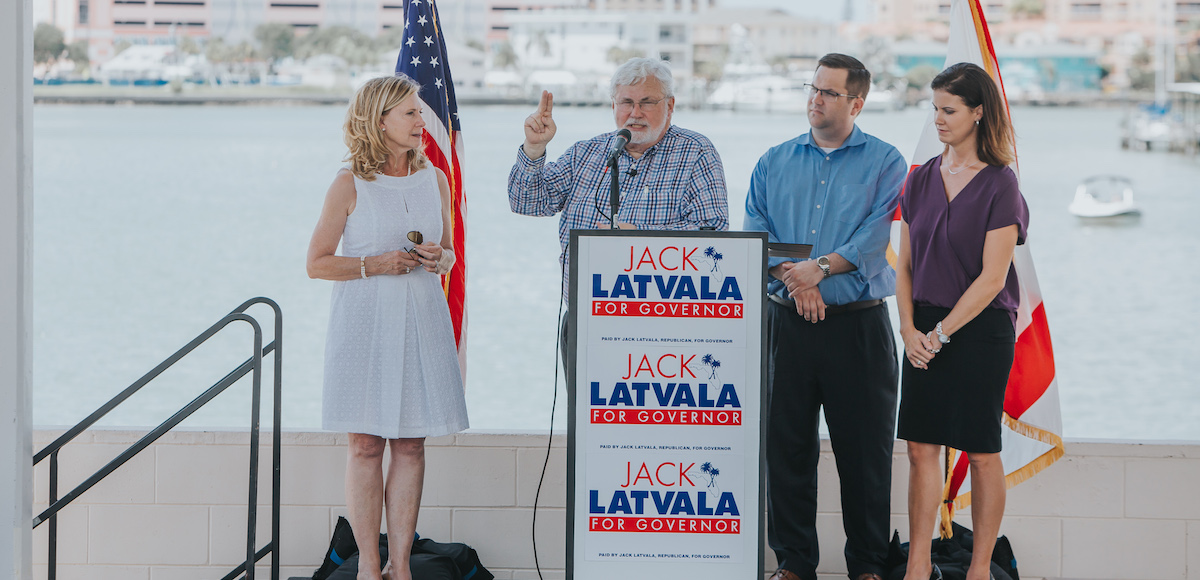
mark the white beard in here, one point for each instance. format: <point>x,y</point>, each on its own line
<point>647,135</point>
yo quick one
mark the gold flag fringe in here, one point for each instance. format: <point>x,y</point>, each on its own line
<point>1012,479</point>
<point>947,509</point>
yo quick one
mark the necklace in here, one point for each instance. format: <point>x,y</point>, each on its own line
<point>961,169</point>
<point>407,172</point>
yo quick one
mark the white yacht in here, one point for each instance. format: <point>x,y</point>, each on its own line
<point>1102,196</point>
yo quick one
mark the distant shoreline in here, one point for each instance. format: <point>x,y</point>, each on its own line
<point>74,96</point>
<point>238,97</point>
<point>130,98</point>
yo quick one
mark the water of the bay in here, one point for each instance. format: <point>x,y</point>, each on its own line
<point>150,223</point>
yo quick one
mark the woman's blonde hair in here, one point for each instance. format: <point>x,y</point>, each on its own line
<point>362,132</point>
<point>995,144</point>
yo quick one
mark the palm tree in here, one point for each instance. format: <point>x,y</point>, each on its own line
<point>713,364</point>
<point>712,473</point>
<point>714,256</point>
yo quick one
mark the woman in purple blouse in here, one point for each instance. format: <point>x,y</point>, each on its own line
<point>956,290</point>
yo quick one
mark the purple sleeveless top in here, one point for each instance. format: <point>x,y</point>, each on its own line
<point>946,238</point>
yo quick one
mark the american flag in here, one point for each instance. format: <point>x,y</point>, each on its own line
<point>1032,433</point>
<point>423,58</point>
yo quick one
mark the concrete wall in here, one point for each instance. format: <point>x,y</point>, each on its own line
<point>1114,510</point>
<point>16,237</point>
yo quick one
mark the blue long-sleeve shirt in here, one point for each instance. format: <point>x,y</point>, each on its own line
<point>841,202</point>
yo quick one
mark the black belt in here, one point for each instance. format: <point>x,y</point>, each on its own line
<point>832,309</point>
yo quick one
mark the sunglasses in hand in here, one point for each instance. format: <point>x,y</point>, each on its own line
<point>416,238</point>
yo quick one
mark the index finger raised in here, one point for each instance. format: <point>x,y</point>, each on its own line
<point>546,104</point>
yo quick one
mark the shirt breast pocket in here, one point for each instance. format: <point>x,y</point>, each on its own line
<point>853,204</point>
<point>655,203</point>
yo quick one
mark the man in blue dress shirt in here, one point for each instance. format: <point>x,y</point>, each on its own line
<point>829,333</point>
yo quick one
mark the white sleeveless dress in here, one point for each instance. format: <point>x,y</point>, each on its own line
<point>391,367</point>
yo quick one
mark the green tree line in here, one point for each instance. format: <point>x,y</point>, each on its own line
<point>49,47</point>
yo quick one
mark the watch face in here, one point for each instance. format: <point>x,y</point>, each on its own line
<point>823,261</point>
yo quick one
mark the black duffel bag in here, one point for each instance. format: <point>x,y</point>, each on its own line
<point>953,556</point>
<point>429,560</point>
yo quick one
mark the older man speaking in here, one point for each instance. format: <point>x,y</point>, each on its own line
<point>671,178</point>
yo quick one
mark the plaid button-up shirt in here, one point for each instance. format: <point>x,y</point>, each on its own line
<point>678,184</point>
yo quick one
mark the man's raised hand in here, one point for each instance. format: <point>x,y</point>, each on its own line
<point>540,127</point>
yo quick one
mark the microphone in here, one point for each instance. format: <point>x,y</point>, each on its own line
<point>614,192</point>
<point>623,137</point>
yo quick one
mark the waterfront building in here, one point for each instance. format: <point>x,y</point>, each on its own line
<point>776,37</point>
<point>1119,31</point>
<point>695,37</point>
<point>538,43</point>
<point>497,24</point>
<point>1030,72</point>
<point>102,23</point>
<point>577,50</point>
<point>1073,18</point>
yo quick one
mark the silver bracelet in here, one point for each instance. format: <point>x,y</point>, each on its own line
<point>362,266</point>
<point>941,336</point>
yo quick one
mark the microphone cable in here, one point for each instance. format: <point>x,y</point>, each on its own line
<point>600,192</point>
<point>558,344</point>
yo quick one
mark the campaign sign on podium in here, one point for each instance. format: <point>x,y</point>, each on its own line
<point>665,435</point>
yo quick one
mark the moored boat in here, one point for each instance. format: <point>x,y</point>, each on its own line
<point>1102,196</point>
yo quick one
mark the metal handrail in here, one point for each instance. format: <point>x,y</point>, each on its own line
<point>251,365</point>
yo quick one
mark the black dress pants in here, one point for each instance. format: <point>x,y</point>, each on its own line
<point>846,363</point>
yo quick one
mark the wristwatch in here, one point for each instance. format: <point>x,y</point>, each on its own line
<point>941,336</point>
<point>823,264</point>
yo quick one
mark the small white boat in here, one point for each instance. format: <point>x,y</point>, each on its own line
<point>1104,196</point>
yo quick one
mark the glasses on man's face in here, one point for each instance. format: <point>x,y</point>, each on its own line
<point>627,105</point>
<point>416,238</point>
<point>826,93</point>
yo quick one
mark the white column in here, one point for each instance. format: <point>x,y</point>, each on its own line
<point>16,236</point>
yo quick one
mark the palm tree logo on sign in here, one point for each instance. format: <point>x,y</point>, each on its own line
<point>713,364</point>
<point>713,258</point>
<point>710,473</point>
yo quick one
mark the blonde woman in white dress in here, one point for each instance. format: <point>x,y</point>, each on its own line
<point>391,367</point>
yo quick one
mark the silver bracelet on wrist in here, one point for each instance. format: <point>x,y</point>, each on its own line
<point>362,266</point>
<point>941,336</point>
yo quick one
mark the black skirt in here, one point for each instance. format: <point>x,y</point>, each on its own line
<point>959,400</point>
